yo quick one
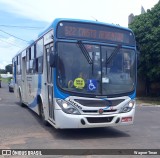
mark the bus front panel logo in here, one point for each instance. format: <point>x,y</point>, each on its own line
<point>100,111</point>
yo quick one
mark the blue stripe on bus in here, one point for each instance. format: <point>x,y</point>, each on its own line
<point>57,92</point>
<point>133,95</point>
<point>34,103</point>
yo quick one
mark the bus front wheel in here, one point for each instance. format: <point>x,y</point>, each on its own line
<point>42,115</point>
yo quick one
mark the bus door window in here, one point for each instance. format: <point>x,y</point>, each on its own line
<point>49,49</point>
<point>48,67</point>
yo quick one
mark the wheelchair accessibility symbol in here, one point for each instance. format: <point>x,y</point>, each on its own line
<point>92,85</point>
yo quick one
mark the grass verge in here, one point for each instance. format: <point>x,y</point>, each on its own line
<point>148,100</point>
<point>6,80</point>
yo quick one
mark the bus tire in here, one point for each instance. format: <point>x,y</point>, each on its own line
<point>42,115</point>
<point>20,100</point>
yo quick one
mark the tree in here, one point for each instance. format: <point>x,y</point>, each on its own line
<point>8,68</point>
<point>2,71</point>
<point>146,28</point>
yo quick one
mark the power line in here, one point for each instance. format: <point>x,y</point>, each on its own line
<point>22,27</point>
<point>14,36</point>
<point>6,61</point>
<point>9,43</point>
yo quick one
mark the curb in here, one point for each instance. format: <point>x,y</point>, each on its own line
<point>147,105</point>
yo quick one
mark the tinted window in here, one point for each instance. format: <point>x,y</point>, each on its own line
<point>39,66</point>
<point>39,48</point>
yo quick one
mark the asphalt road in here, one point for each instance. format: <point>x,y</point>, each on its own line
<point>20,128</point>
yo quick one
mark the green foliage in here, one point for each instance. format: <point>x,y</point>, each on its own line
<point>6,80</point>
<point>146,28</point>
<point>8,68</point>
<point>2,71</point>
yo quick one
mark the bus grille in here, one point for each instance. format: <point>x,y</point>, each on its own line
<point>99,119</point>
<point>96,111</point>
<point>99,103</point>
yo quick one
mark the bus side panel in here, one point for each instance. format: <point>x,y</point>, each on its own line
<point>33,90</point>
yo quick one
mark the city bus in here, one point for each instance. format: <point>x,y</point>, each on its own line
<point>79,74</point>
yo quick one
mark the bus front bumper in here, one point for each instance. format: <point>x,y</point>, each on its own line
<point>64,120</point>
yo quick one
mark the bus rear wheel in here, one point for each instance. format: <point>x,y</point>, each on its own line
<point>20,100</point>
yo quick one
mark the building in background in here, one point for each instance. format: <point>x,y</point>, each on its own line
<point>131,16</point>
<point>8,75</point>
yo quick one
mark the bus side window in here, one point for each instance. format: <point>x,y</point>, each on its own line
<point>34,60</point>
<point>31,59</point>
<point>39,56</point>
<point>39,64</point>
<point>19,64</point>
<point>27,66</point>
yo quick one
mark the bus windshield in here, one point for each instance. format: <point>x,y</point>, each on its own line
<point>111,72</point>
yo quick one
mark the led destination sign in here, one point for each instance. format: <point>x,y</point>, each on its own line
<point>75,30</point>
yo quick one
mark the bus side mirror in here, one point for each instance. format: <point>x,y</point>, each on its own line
<point>52,59</point>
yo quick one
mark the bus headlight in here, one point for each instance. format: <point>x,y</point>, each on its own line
<point>67,107</point>
<point>128,107</point>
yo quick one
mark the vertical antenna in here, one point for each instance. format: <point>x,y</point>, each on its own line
<point>94,18</point>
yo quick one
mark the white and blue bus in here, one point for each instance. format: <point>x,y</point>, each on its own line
<point>79,74</point>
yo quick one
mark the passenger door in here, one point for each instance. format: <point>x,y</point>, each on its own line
<point>49,48</point>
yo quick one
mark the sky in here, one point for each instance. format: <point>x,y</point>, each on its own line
<point>22,20</point>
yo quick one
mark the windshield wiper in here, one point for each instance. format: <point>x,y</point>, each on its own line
<point>115,51</point>
<point>85,52</point>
